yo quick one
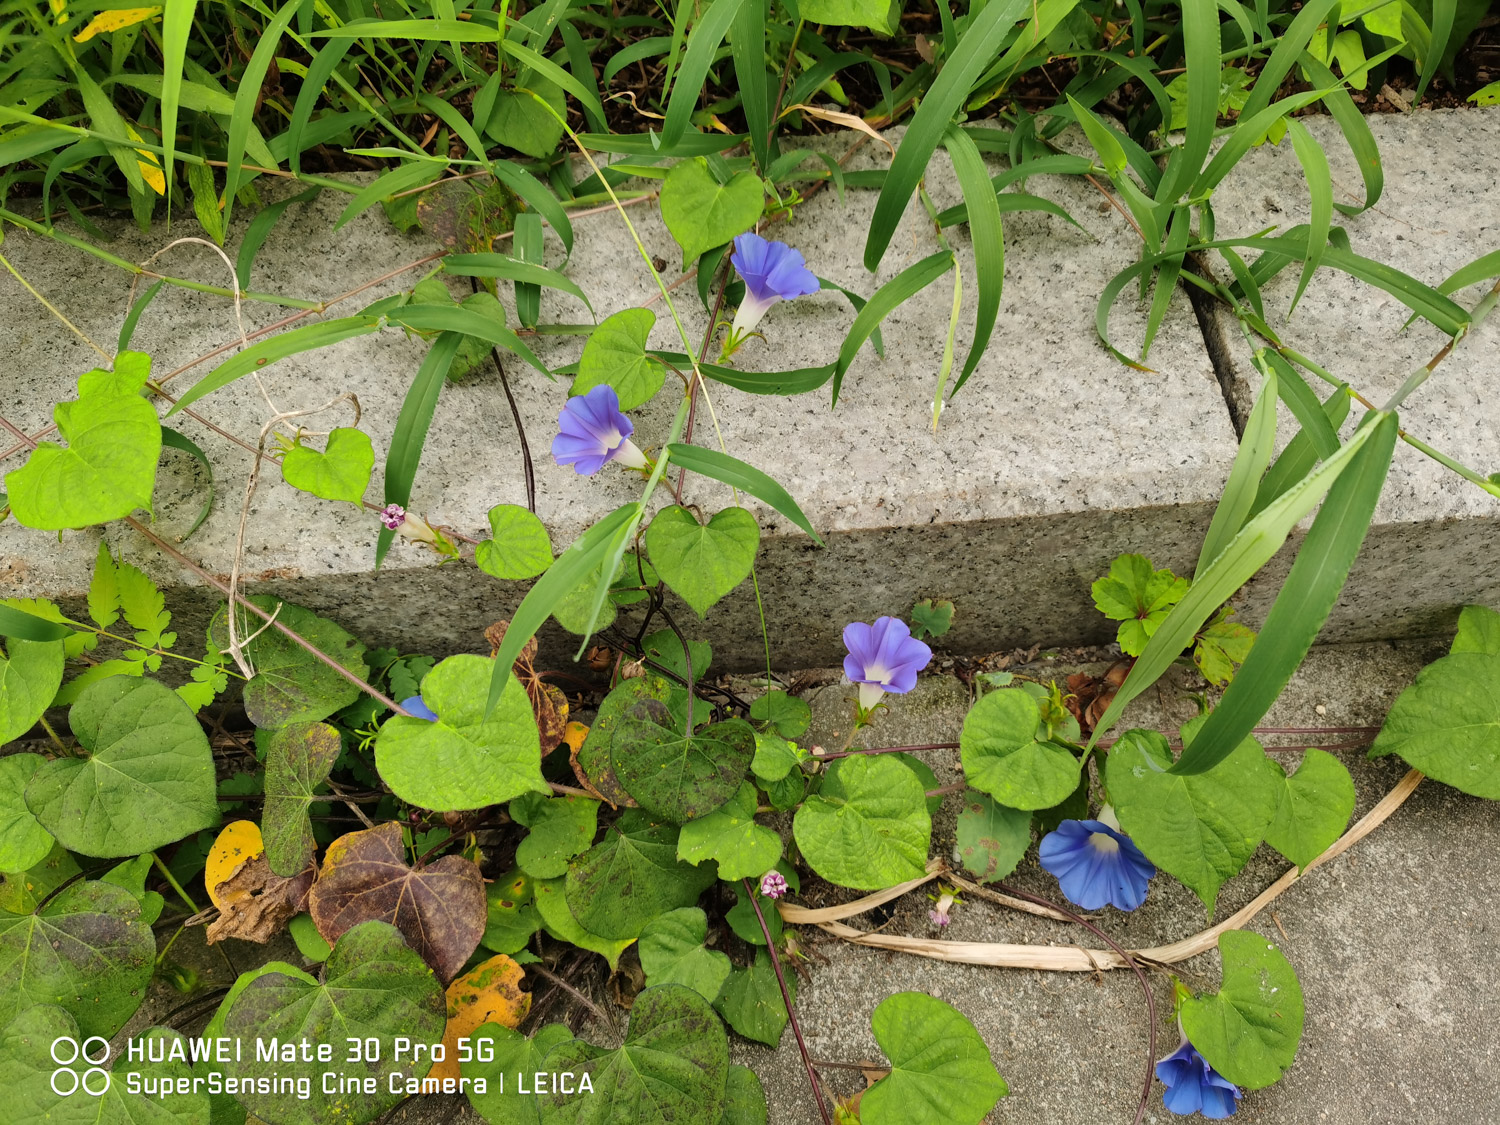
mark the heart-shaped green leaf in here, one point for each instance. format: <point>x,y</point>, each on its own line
<point>291,685</point>
<point>616,355</point>
<point>148,780</point>
<point>1447,724</point>
<point>1003,756</point>
<point>1478,631</point>
<point>505,1054</point>
<point>463,760</point>
<point>730,837</point>
<point>1199,828</point>
<point>1249,1031</point>
<point>86,950</point>
<point>299,759</point>
<point>32,1077</point>
<point>340,472</point>
<point>744,1098</point>
<point>30,674</point>
<point>109,467</point>
<point>702,213</point>
<point>630,877</point>
<point>787,715</point>
<point>775,757</point>
<point>751,1001</point>
<point>552,905</point>
<point>941,1073</point>
<point>672,951</point>
<point>23,841</point>
<point>672,1067</point>
<point>702,564</point>
<point>519,122</point>
<point>868,826</point>
<point>680,776</point>
<point>991,837</point>
<point>1312,807</point>
<point>372,987</point>
<point>518,547</point>
<point>561,827</point>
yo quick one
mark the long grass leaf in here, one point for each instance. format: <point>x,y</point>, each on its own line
<point>1303,451</point>
<point>1306,598</point>
<point>554,74</point>
<point>734,472</point>
<point>319,70</point>
<point>412,424</point>
<point>1256,446</point>
<point>442,31</point>
<point>304,339</point>
<point>702,45</point>
<point>987,239</point>
<point>415,174</point>
<point>23,626</point>
<point>1443,13</point>
<point>176,27</point>
<point>467,322</point>
<point>977,48</point>
<point>247,97</point>
<point>1314,163</point>
<point>513,269</point>
<point>174,440</point>
<point>260,229</point>
<point>747,44</point>
<point>1200,50</point>
<point>1246,553</point>
<point>909,281</point>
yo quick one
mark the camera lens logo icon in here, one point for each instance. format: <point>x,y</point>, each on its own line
<point>93,1051</point>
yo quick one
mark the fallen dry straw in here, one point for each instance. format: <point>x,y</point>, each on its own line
<point>1074,959</point>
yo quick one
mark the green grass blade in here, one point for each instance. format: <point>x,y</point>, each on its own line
<point>305,339</point>
<point>987,238</point>
<point>1481,269</point>
<point>1306,598</point>
<point>467,322</point>
<point>133,317</point>
<point>978,47</point>
<point>175,440</point>
<point>1246,553</point>
<point>1304,405</point>
<point>1256,447</point>
<point>23,626</point>
<point>570,568</point>
<point>1443,12</point>
<point>797,382</point>
<point>1314,163</point>
<point>536,194</point>
<point>412,424</point>
<point>912,279</point>
<point>1179,224</point>
<point>259,230</point>
<point>1356,132</point>
<point>248,96</point>
<point>414,174</point>
<point>735,473</point>
<point>1200,49</point>
<point>1307,23</point>
<point>702,45</point>
<point>1301,453</point>
<point>513,269</point>
<point>176,27</point>
<point>527,242</point>
<point>747,44</point>
<point>442,31</point>
<point>108,123</point>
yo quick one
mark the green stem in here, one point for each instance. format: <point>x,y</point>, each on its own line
<point>176,886</point>
<point>52,734</point>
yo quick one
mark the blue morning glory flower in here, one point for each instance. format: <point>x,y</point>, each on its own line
<point>592,432</point>
<point>882,657</point>
<point>418,709</point>
<point>1096,864</point>
<point>773,272</point>
<point>1194,1087</point>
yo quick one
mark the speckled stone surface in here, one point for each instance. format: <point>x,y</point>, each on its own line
<point>1053,459</point>
<point>1432,546</point>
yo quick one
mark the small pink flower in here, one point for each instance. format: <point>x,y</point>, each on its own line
<point>393,516</point>
<point>938,919</point>
<point>773,885</point>
<point>945,900</point>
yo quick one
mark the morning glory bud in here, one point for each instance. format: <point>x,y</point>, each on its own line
<point>773,884</point>
<point>1195,1087</point>
<point>418,709</point>
<point>592,431</point>
<point>773,272</point>
<point>398,519</point>
<point>882,657</point>
<point>1096,864</point>
<point>938,916</point>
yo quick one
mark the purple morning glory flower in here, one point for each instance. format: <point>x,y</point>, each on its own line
<point>393,516</point>
<point>592,432</point>
<point>1194,1087</point>
<point>882,657</point>
<point>773,884</point>
<point>773,272</point>
<point>1096,864</point>
<point>418,709</point>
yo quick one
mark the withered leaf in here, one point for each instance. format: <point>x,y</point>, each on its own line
<point>490,992</point>
<point>439,909</point>
<point>256,903</point>
<point>548,703</point>
<point>299,760</point>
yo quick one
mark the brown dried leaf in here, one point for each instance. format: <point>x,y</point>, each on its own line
<point>256,903</point>
<point>548,703</point>
<point>488,993</point>
<point>439,909</point>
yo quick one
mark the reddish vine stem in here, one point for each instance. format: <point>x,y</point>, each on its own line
<point>786,997</point>
<point>1140,975</point>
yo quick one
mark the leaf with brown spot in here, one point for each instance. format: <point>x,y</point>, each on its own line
<point>256,903</point>
<point>240,841</point>
<point>298,761</point>
<point>488,993</point>
<point>439,909</point>
<point>548,703</point>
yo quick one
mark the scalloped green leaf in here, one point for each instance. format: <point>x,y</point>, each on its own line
<point>751,1001</point>
<point>868,826</point>
<point>23,841</point>
<point>340,472</point>
<point>702,562</point>
<point>299,759</point>
<point>730,837</point>
<point>1250,1029</point>
<point>1447,724</point>
<point>1312,807</point>
<point>30,674</point>
<point>673,952</point>
<point>702,213</point>
<point>1004,756</point>
<point>561,828</point>
<point>676,775</point>
<point>518,547</point>
<point>630,877</point>
<point>941,1072</point>
<point>616,355</point>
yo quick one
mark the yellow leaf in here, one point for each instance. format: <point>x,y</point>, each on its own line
<point>488,993</point>
<point>240,841</point>
<point>574,734</point>
<point>59,11</point>
<point>150,168</point>
<point>112,21</point>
